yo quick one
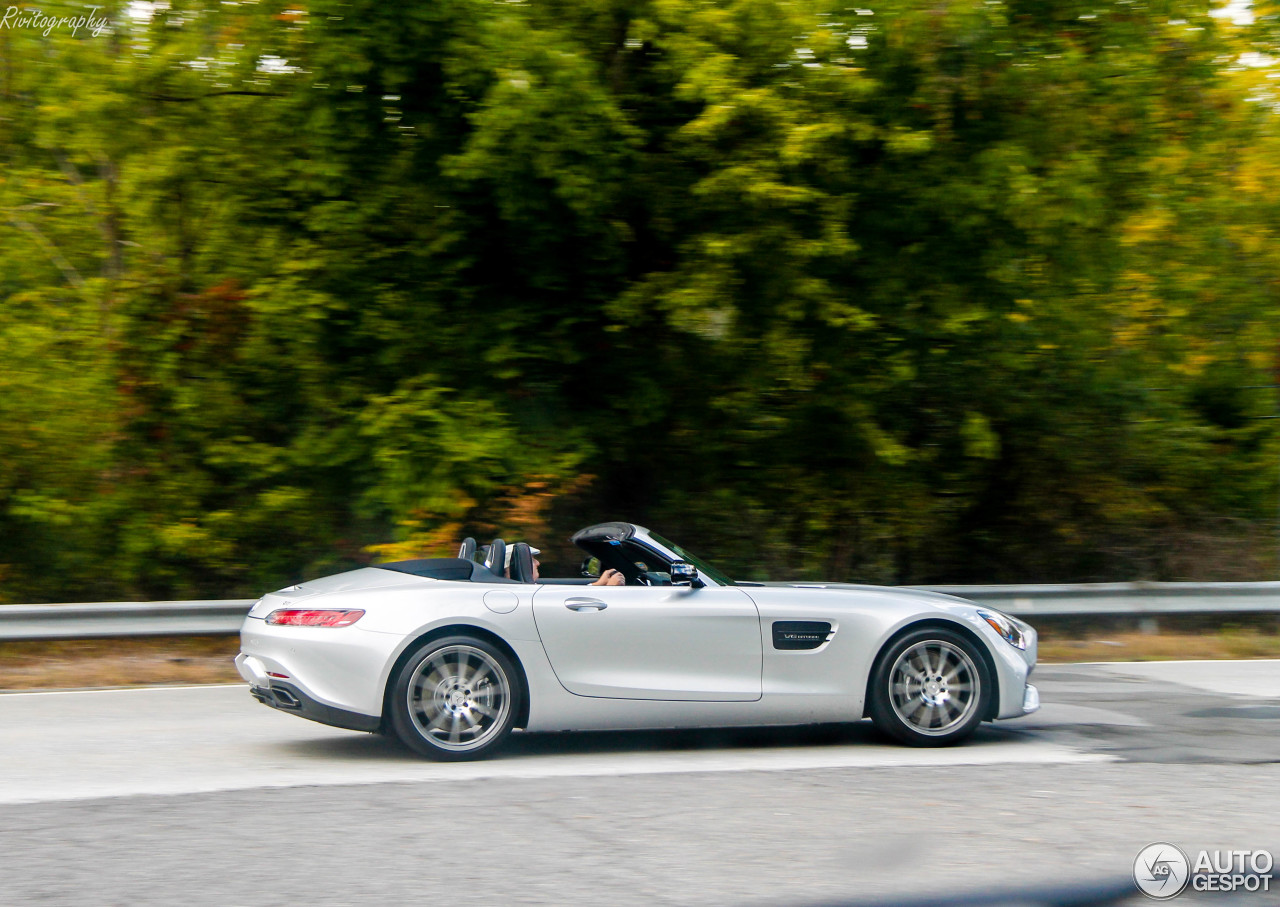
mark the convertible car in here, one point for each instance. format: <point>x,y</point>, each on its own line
<point>452,654</point>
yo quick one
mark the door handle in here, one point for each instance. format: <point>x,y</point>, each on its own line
<point>584,604</point>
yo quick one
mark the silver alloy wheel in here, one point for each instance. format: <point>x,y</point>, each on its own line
<point>934,687</point>
<point>458,698</point>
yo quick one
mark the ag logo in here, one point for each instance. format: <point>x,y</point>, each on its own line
<point>1161,871</point>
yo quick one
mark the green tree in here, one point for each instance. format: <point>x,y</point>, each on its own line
<point>980,291</point>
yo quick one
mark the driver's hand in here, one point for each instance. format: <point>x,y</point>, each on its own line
<point>610,577</point>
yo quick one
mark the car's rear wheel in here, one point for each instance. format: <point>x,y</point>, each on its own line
<point>930,688</point>
<point>456,698</point>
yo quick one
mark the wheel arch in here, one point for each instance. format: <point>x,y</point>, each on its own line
<point>993,704</point>
<point>522,718</point>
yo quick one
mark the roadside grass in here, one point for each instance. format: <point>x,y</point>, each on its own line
<point>146,661</point>
<point>1231,642</point>
<point>92,663</point>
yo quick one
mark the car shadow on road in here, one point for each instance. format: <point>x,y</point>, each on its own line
<point>375,747</point>
<point>602,742</point>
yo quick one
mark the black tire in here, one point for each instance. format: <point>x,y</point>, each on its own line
<point>930,687</point>
<point>443,712</point>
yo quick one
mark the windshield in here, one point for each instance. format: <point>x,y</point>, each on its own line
<point>703,566</point>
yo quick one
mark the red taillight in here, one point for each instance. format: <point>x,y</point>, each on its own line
<point>297,617</point>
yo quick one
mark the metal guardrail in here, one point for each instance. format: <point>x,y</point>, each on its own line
<point>1123,599</point>
<point>212,618</point>
<point>112,619</point>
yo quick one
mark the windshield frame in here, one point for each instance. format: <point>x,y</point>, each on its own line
<point>717,575</point>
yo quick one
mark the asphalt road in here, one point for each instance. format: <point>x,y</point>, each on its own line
<point>201,796</point>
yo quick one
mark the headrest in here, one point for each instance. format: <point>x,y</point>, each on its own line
<point>496,558</point>
<point>520,568</point>
<point>467,550</point>
<point>511,548</point>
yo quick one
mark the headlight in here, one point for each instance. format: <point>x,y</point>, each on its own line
<point>1007,627</point>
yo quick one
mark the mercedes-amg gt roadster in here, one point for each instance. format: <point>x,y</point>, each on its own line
<point>452,654</point>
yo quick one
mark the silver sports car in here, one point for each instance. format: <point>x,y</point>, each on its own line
<point>452,654</point>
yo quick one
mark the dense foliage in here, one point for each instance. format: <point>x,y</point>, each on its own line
<point>970,290</point>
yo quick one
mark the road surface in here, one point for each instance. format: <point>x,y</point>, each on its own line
<point>199,795</point>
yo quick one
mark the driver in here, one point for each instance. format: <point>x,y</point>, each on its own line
<point>610,577</point>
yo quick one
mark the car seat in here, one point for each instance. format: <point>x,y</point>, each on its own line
<point>522,563</point>
<point>495,559</point>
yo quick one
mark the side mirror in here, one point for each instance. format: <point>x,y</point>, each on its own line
<point>683,574</point>
<point>591,568</point>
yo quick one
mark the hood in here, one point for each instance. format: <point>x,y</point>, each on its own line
<point>897,592</point>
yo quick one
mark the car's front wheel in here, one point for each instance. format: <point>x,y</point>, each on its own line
<point>931,687</point>
<point>456,698</point>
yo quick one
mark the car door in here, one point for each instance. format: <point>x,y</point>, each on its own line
<point>673,643</point>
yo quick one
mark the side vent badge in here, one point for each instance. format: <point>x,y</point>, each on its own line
<point>800,634</point>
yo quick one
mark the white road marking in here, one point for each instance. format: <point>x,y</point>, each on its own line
<point>84,690</point>
<point>202,739</point>
<point>1061,714</point>
<point>1256,678</point>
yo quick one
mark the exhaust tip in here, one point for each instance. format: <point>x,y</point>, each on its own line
<point>285,699</point>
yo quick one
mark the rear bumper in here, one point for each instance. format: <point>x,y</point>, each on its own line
<point>343,668</point>
<point>289,697</point>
